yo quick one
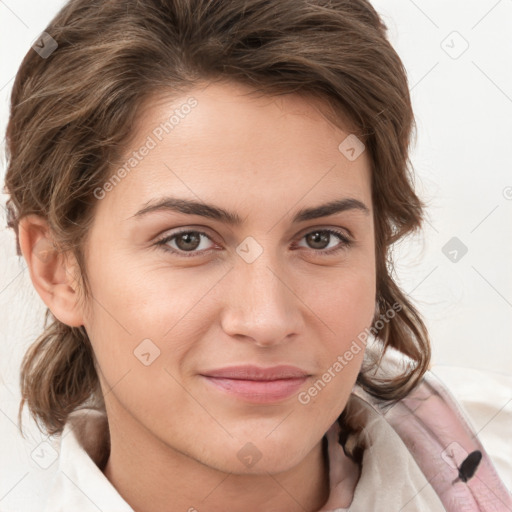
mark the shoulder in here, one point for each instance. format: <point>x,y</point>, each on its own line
<point>434,429</point>
<point>79,483</point>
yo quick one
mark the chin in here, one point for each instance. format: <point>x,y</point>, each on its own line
<point>259,456</point>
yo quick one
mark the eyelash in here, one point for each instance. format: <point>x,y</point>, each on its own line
<point>346,243</point>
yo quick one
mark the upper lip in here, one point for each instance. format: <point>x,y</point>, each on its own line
<point>250,372</point>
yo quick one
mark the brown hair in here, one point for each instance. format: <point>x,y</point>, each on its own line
<point>73,111</point>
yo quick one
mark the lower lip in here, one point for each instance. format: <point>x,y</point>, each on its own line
<point>258,391</point>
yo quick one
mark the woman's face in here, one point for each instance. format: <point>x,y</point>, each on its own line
<point>258,280</point>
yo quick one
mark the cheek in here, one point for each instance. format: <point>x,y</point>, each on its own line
<point>129,297</point>
<point>347,308</point>
<point>142,324</point>
<point>347,303</point>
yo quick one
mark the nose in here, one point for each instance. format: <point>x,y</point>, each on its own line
<point>262,306</point>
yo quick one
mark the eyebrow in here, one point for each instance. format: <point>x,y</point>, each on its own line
<point>191,207</point>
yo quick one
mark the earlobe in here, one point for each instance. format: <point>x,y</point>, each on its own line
<point>50,271</point>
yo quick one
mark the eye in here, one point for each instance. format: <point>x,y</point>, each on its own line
<point>321,238</point>
<point>191,241</point>
<point>185,241</point>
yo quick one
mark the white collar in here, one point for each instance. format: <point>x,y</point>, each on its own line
<point>80,484</point>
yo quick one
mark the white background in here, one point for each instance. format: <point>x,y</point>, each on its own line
<point>462,160</point>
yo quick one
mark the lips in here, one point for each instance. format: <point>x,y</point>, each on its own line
<point>257,385</point>
<point>249,372</point>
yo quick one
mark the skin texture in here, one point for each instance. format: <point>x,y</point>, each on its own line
<point>175,439</point>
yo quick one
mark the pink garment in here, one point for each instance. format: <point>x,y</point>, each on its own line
<point>437,433</point>
<point>413,450</point>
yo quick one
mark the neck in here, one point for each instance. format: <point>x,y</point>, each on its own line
<point>153,477</point>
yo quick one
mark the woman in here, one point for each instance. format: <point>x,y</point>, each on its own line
<point>205,194</point>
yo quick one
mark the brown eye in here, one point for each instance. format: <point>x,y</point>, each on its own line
<point>185,242</point>
<point>188,241</point>
<point>320,239</point>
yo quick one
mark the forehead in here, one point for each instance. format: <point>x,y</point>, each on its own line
<point>221,141</point>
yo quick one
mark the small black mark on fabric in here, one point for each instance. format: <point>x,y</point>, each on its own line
<point>469,466</point>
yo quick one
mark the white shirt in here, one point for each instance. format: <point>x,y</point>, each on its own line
<point>390,479</point>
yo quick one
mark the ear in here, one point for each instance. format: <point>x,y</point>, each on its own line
<point>51,271</point>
